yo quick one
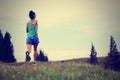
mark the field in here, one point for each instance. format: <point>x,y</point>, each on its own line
<point>76,69</point>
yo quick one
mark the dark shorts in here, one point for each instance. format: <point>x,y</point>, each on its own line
<point>32,41</point>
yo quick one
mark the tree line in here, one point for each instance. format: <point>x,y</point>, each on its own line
<point>112,60</point>
<point>6,48</point>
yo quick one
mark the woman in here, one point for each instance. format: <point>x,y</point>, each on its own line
<point>32,36</point>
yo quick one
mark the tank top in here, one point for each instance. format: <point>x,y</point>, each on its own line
<point>31,30</point>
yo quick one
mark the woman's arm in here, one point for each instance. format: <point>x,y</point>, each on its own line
<point>27,27</point>
<point>36,29</point>
<point>35,25</point>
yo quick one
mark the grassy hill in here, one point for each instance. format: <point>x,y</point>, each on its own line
<point>76,69</point>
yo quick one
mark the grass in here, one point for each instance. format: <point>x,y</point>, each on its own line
<point>65,70</point>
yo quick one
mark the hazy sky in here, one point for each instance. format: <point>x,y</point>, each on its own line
<point>66,27</point>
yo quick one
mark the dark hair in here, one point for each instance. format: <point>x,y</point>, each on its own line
<point>32,15</point>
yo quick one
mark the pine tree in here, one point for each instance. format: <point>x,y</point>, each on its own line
<point>112,61</point>
<point>113,46</point>
<point>46,59</point>
<point>1,45</point>
<point>42,57</point>
<point>8,49</point>
<point>93,58</point>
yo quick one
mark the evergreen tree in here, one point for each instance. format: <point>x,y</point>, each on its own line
<point>113,46</point>
<point>93,58</point>
<point>8,49</point>
<point>1,45</point>
<point>42,57</point>
<point>112,61</point>
<point>46,59</point>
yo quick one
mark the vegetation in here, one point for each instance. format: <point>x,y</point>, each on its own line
<point>67,70</point>
<point>6,48</point>
<point>42,57</point>
<point>1,45</point>
<point>93,56</point>
<point>112,61</point>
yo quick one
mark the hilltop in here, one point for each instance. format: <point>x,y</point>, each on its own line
<point>76,69</point>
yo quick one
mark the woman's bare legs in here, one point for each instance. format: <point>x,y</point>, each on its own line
<point>35,52</point>
<point>28,52</point>
<point>29,46</point>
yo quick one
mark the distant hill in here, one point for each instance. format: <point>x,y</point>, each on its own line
<point>85,60</point>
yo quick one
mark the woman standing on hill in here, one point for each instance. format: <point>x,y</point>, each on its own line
<point>32,36</point>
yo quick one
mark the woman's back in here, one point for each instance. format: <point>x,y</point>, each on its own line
<point>32,28</point>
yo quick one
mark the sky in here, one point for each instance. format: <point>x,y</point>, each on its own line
<point>66,27</point>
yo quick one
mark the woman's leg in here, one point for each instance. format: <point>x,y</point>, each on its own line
<point>35,52</point>
<point>29,46</point>
<point>28,52</point>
